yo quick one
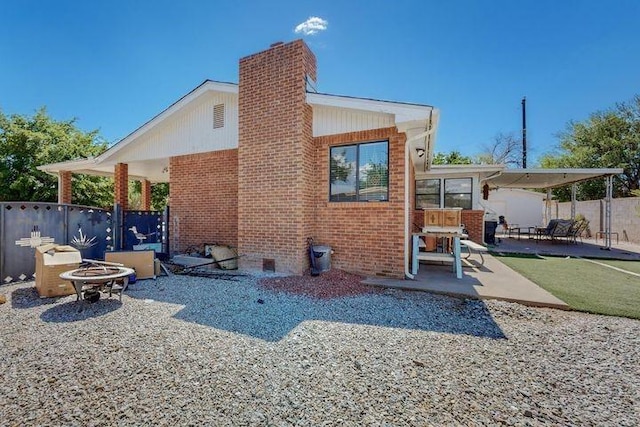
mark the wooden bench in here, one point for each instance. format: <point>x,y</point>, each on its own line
<point>473,247</point>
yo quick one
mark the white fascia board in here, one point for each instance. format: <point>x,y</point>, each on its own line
<point>206,86</point>
<point>71,165</point>
<point>465,168</point>
<point>438,171</point>
<point>585,171</point>
<point>403,112</point>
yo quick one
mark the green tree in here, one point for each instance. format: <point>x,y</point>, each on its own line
<point>159,196</point>
<point>607,139</point>
<point>340,167</point>
<point>27,142</point>
<point>452,158</point>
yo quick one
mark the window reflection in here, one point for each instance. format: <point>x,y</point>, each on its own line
<point>359,172</point>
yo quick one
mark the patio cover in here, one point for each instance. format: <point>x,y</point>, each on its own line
<point>546,178</point>
<point>552,178</point>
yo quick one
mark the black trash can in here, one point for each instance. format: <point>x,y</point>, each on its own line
<point>490,232</point>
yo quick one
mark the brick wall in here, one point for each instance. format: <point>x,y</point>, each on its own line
<point>473,220</point>
<point>367,237</point>
<point>121,185</point>
<point>204,199</point>
<point>276,158</point>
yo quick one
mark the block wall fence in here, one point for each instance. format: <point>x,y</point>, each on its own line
<point>625,216</point>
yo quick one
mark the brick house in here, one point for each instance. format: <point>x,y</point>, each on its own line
<point>266,163</point>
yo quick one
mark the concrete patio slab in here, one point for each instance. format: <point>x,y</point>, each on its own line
<point>493,280</point>
<point>586,248</point>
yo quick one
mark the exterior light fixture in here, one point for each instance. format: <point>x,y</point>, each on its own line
<point>420,152</point>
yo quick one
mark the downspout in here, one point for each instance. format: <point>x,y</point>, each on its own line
<point>408,238</point>
<point>407,205</point>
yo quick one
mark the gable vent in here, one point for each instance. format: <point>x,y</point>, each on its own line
<point>218,116</point>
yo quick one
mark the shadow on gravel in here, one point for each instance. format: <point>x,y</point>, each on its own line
<point>29,298</point>
<point>245,308</point>
<point>75,311</point>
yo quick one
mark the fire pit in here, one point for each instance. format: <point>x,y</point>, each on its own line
<point>96,277</point>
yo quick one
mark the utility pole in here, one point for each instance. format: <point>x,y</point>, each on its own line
<point>524,132</point>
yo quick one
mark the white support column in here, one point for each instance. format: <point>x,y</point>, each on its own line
<point>574,188</point>
<point>607,212</point>
<point>456,257</point>
<point>547,206</point>
<point>60,189</point>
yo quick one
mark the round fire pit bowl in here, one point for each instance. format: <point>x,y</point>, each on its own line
<point>89,281</point>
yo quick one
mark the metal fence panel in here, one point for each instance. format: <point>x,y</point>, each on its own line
<point>143,229</point>
<point>89,230</point>
<point>24,227</point>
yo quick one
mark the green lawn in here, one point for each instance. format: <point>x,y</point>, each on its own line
<point>632,266</point>
<point>583,285</point>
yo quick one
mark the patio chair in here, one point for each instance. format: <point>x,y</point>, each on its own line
<point>562,230</point>
<point>548,231</point>
<point>577,229</point>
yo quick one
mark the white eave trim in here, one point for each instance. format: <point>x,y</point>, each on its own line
<point>206,86</point>
<point>71,166</point>
<point>585,171</point>
<point>403,112</point>
<point>450,169</point>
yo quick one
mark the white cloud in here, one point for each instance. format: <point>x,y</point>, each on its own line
<point>311,26</point>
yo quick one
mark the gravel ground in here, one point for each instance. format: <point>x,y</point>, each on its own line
<point>201,351</point>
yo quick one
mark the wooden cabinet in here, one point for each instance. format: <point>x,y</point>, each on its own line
<point>433,218</point>
<point>443,217</point>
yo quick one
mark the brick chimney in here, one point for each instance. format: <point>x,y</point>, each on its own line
<point>276,157</point>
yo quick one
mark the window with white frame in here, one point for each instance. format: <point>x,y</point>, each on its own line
<point>444,193</point>
<point>359,172</point>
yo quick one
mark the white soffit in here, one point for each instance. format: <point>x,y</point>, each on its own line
<point>547,178</point>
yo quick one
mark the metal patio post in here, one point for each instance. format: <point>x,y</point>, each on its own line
<point>117,227</point>
<point>574,188</point>
<point>607,212</point>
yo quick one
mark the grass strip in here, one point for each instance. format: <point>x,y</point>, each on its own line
<point>584,286</point>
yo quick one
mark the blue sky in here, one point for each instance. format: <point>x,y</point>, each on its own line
<point>115,64</point>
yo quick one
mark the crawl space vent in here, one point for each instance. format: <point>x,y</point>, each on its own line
<point>218,116</point>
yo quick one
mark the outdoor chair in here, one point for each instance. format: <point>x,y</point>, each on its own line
<point>562,230</point>
<point>547,231</point>
<point>577,229</point>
